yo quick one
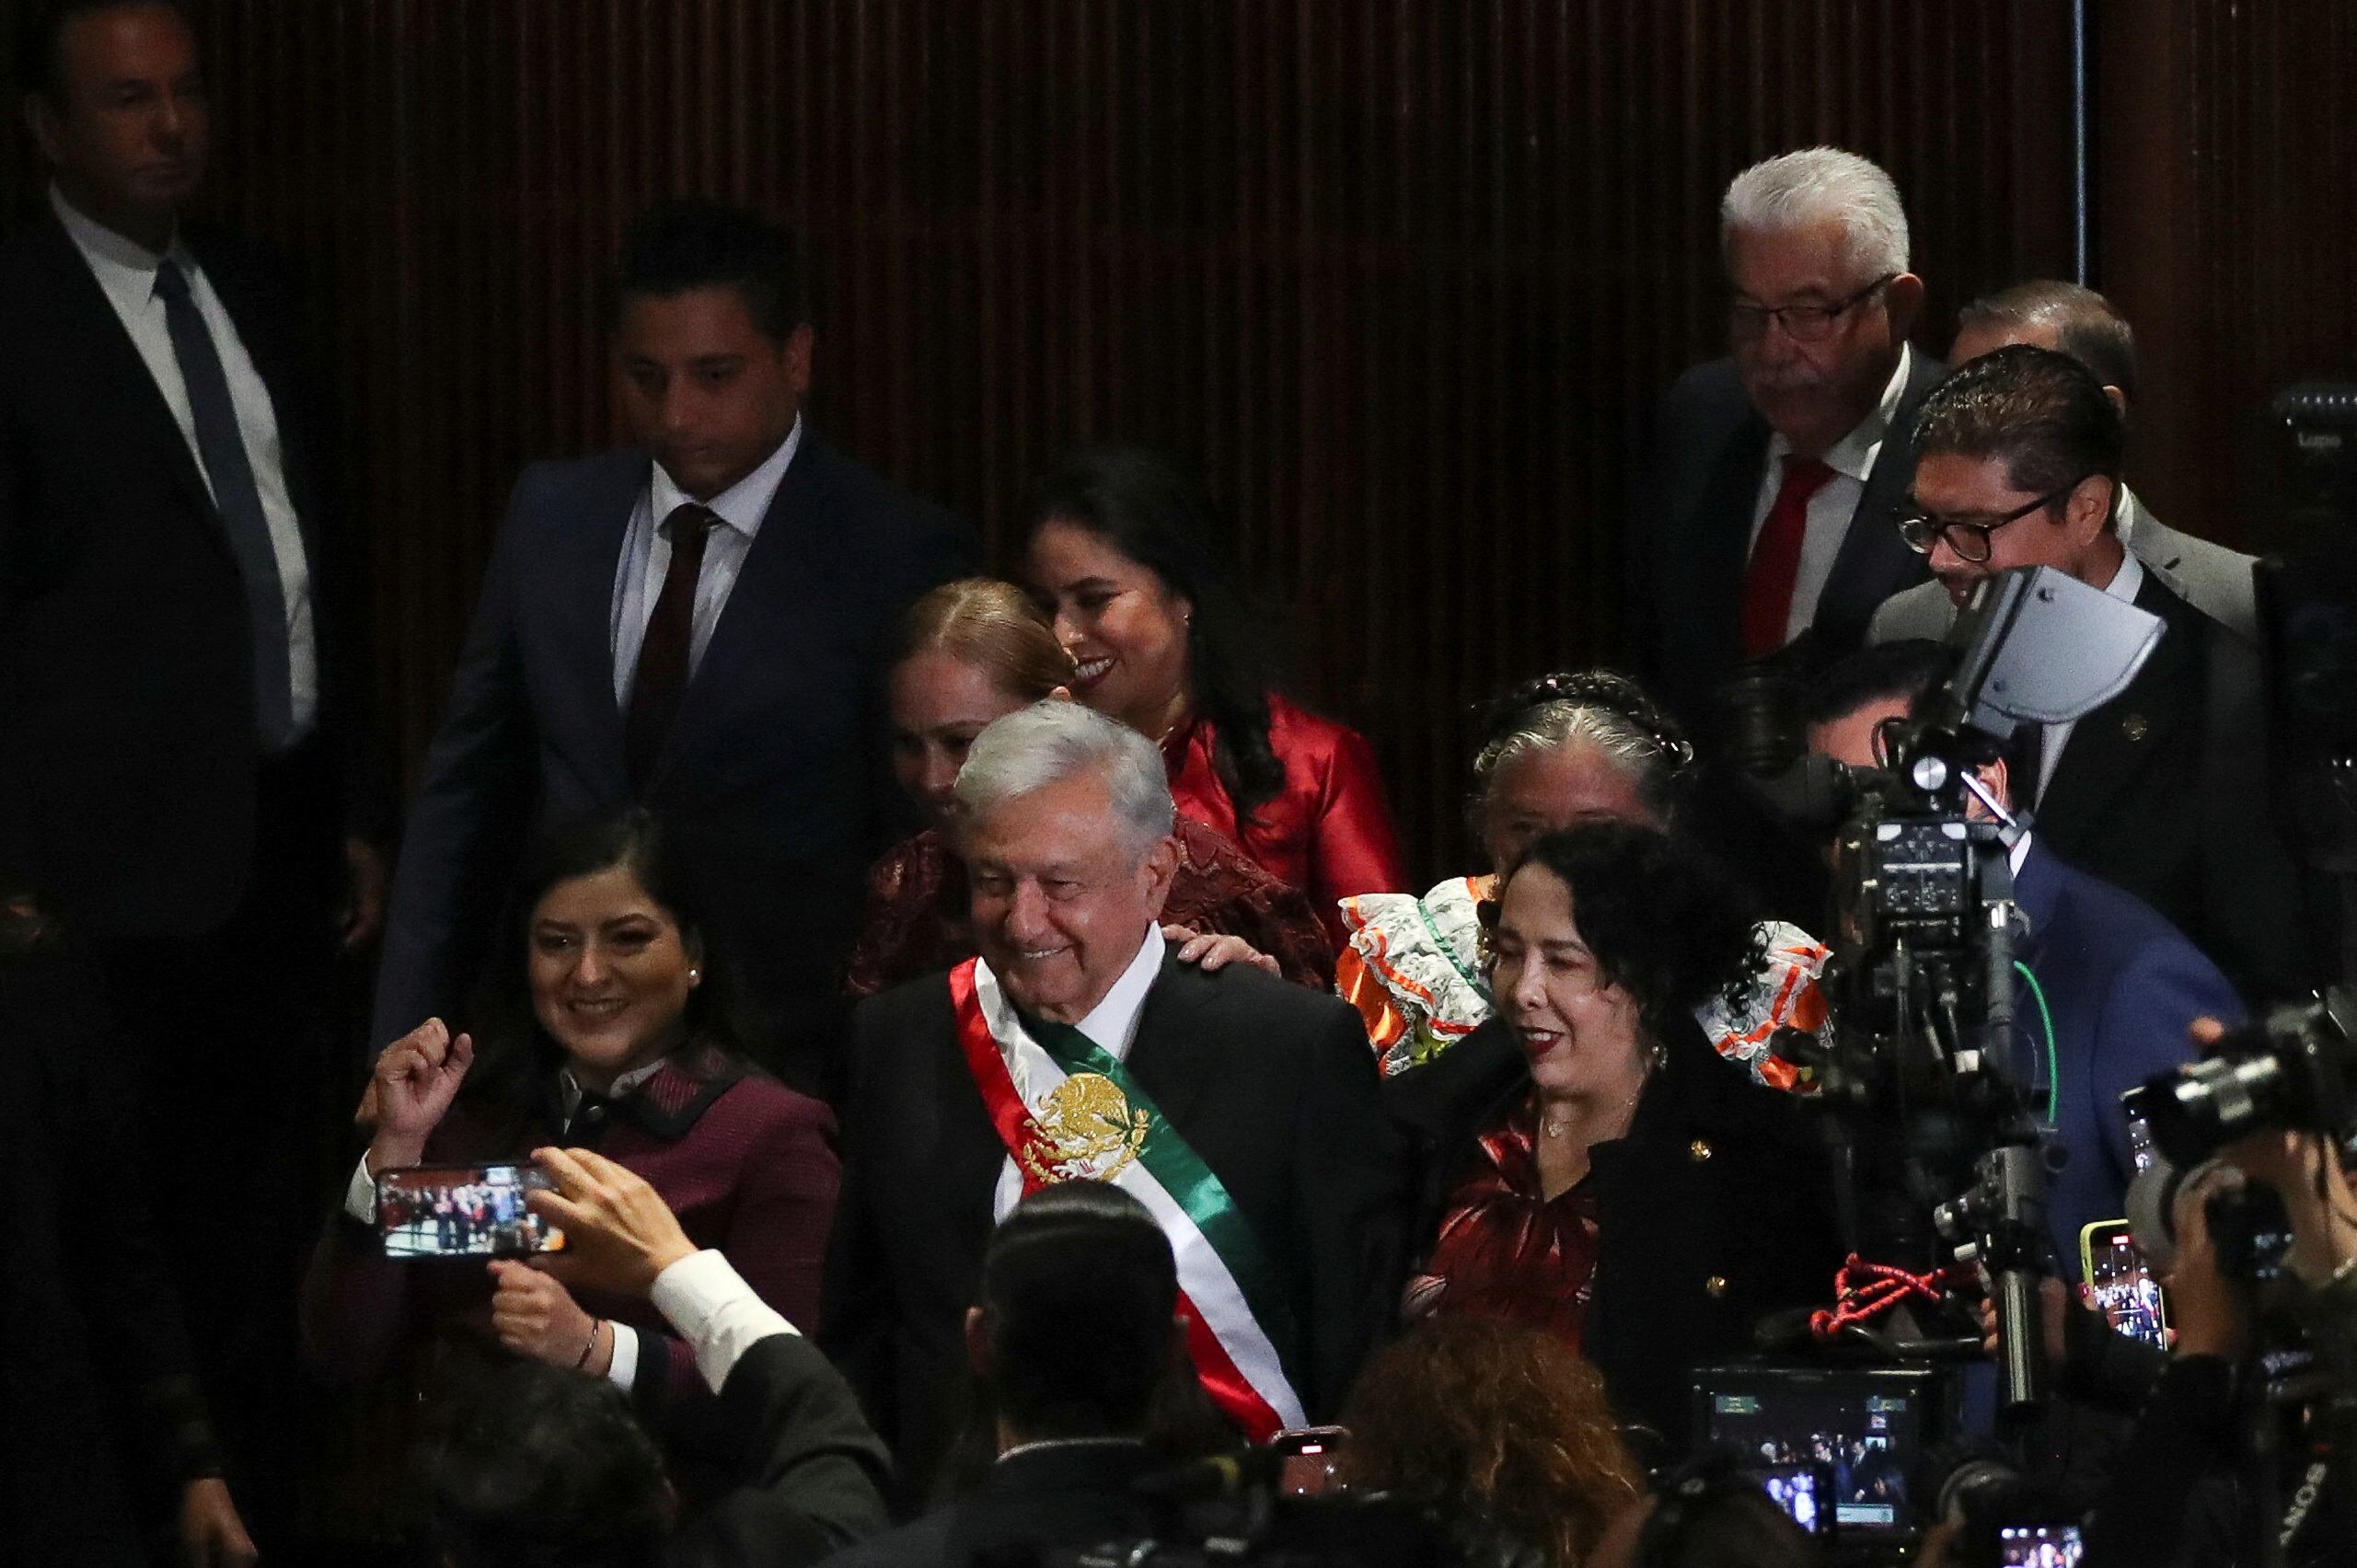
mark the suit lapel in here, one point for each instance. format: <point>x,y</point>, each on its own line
<point>1159,1057</point>
<point>94,329</point>
<point>1874,562</point>
<point>1721,553</point>
<point>2111,746</point>
<point>581,609</point>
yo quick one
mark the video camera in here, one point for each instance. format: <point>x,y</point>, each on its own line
<point>1938,1156</point>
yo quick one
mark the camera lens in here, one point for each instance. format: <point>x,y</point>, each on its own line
<point>2198,1110</point>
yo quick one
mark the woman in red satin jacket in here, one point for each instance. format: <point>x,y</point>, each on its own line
<point>1117,549</point>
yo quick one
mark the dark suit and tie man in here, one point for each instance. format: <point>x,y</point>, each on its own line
<point>2116,988</point>
<point>1766,479</point>
<point>1242,1110</point>
<point>2079,322</point>
<point>694,625</point>
<point>184,774</point>
<point>2163,790</point>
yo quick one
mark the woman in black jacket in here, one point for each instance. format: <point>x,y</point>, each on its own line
<point>1592,1166</point>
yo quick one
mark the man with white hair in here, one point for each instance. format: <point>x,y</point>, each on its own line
<point>1763,508</point>
<point>1242,1110</point>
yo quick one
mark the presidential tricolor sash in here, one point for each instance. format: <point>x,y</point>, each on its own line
<point>1096,1124</point>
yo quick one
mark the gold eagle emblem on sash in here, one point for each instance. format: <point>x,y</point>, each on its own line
<point>1084,1131</point>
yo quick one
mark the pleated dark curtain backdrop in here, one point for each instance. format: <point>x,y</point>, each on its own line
<point>2229,198</point>
<point>1396,272</point>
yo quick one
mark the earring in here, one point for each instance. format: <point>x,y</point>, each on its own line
<point>694,975</point>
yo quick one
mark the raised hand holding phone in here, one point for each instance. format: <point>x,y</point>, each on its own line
<point>619,1232</point>
<point>415,1081</point>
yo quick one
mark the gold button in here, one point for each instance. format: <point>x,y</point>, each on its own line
<point>1715,1286</point>
<point>1698,1151</point>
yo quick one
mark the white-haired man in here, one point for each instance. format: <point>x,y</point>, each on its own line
<point>1244,1112</point>
<point>1762,503</point>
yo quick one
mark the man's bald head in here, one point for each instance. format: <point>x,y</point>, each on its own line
<point>2048,313</point>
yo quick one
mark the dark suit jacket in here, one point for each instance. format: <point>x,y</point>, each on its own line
<point>774,776</point>
<point>1271,1084</point>
<point>128,754</point>
<point>1713,1211</point>
<point>1701,461</point>
<point>1026,1505</point>
<point>2163,792</point>
<point>810,1475</point>
<point>92,1345</point>
<point>2122,987</point>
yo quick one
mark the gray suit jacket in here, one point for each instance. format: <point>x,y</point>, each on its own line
<point>2212,577</point>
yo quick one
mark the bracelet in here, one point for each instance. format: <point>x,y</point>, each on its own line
<point>582,1361</point>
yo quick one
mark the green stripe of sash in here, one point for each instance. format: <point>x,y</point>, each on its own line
<point>1184,1175</point>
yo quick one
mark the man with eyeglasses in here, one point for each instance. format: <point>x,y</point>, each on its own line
<point>2079,322</point>
<point>2163,790</point>
<point>1762,520</point>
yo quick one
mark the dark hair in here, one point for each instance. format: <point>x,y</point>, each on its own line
<point>538,1467</point>
<point>2041,411</point>
<point>1604,708</point>
<point>2088,327</point>
<point>692,244</point>
<point>515,1056</point>
<point>1708,1514</point>
<point>1908,671</point>
<point>1667,922</point>
<point>1156,510</point>
<point>40,35</point>
<point>1078,1253</point>
<point>1496,1424</point>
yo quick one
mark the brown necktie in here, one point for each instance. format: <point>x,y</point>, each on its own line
<point>662,674</point>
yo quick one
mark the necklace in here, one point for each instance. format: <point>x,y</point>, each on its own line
<point>1557,1129</point>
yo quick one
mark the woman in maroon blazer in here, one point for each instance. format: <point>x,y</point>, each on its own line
<point>610,1025</point>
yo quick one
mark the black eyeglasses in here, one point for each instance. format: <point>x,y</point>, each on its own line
<point>1969,537</point>
<point>1802,323</point>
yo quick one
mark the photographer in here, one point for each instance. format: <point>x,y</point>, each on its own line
<point>2184,1492</point>
<point>806,1472</point>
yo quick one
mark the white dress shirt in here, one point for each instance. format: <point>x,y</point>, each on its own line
<point>706,1302</point>
<point>126,273</point>
<point>2123,586</point>
<point>1835,502</point>
<point>1112,1024</point>
<point>646,556</point>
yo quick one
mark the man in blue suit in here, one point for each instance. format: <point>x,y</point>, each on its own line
<point>2120,985</point>
<point>696,625</point>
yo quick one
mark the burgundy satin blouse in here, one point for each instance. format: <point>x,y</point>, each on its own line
<point>1327,832</point>
<point>1505,1251</point>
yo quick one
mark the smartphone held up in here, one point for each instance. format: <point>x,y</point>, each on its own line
<point>463,1211</point>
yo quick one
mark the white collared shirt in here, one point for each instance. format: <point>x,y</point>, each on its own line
<point>1112,1025</point>
<point>1836,501</point>
<point>646,556</point>
<point>126,273</point>
<point>2123,586</point>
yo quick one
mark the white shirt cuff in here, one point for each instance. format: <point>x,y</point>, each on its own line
<point>705,1299</point>
<point>359,1194</point>
<point>623,1370</point>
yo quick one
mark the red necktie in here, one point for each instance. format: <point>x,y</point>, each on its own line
<point>1775,556</point>
<point>662,674</point>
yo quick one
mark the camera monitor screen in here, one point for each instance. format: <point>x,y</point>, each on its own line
<point>2040,1546</point>
<point>1801,1491</point>
<point>462,1211</point>
<point>1867,1427</point>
